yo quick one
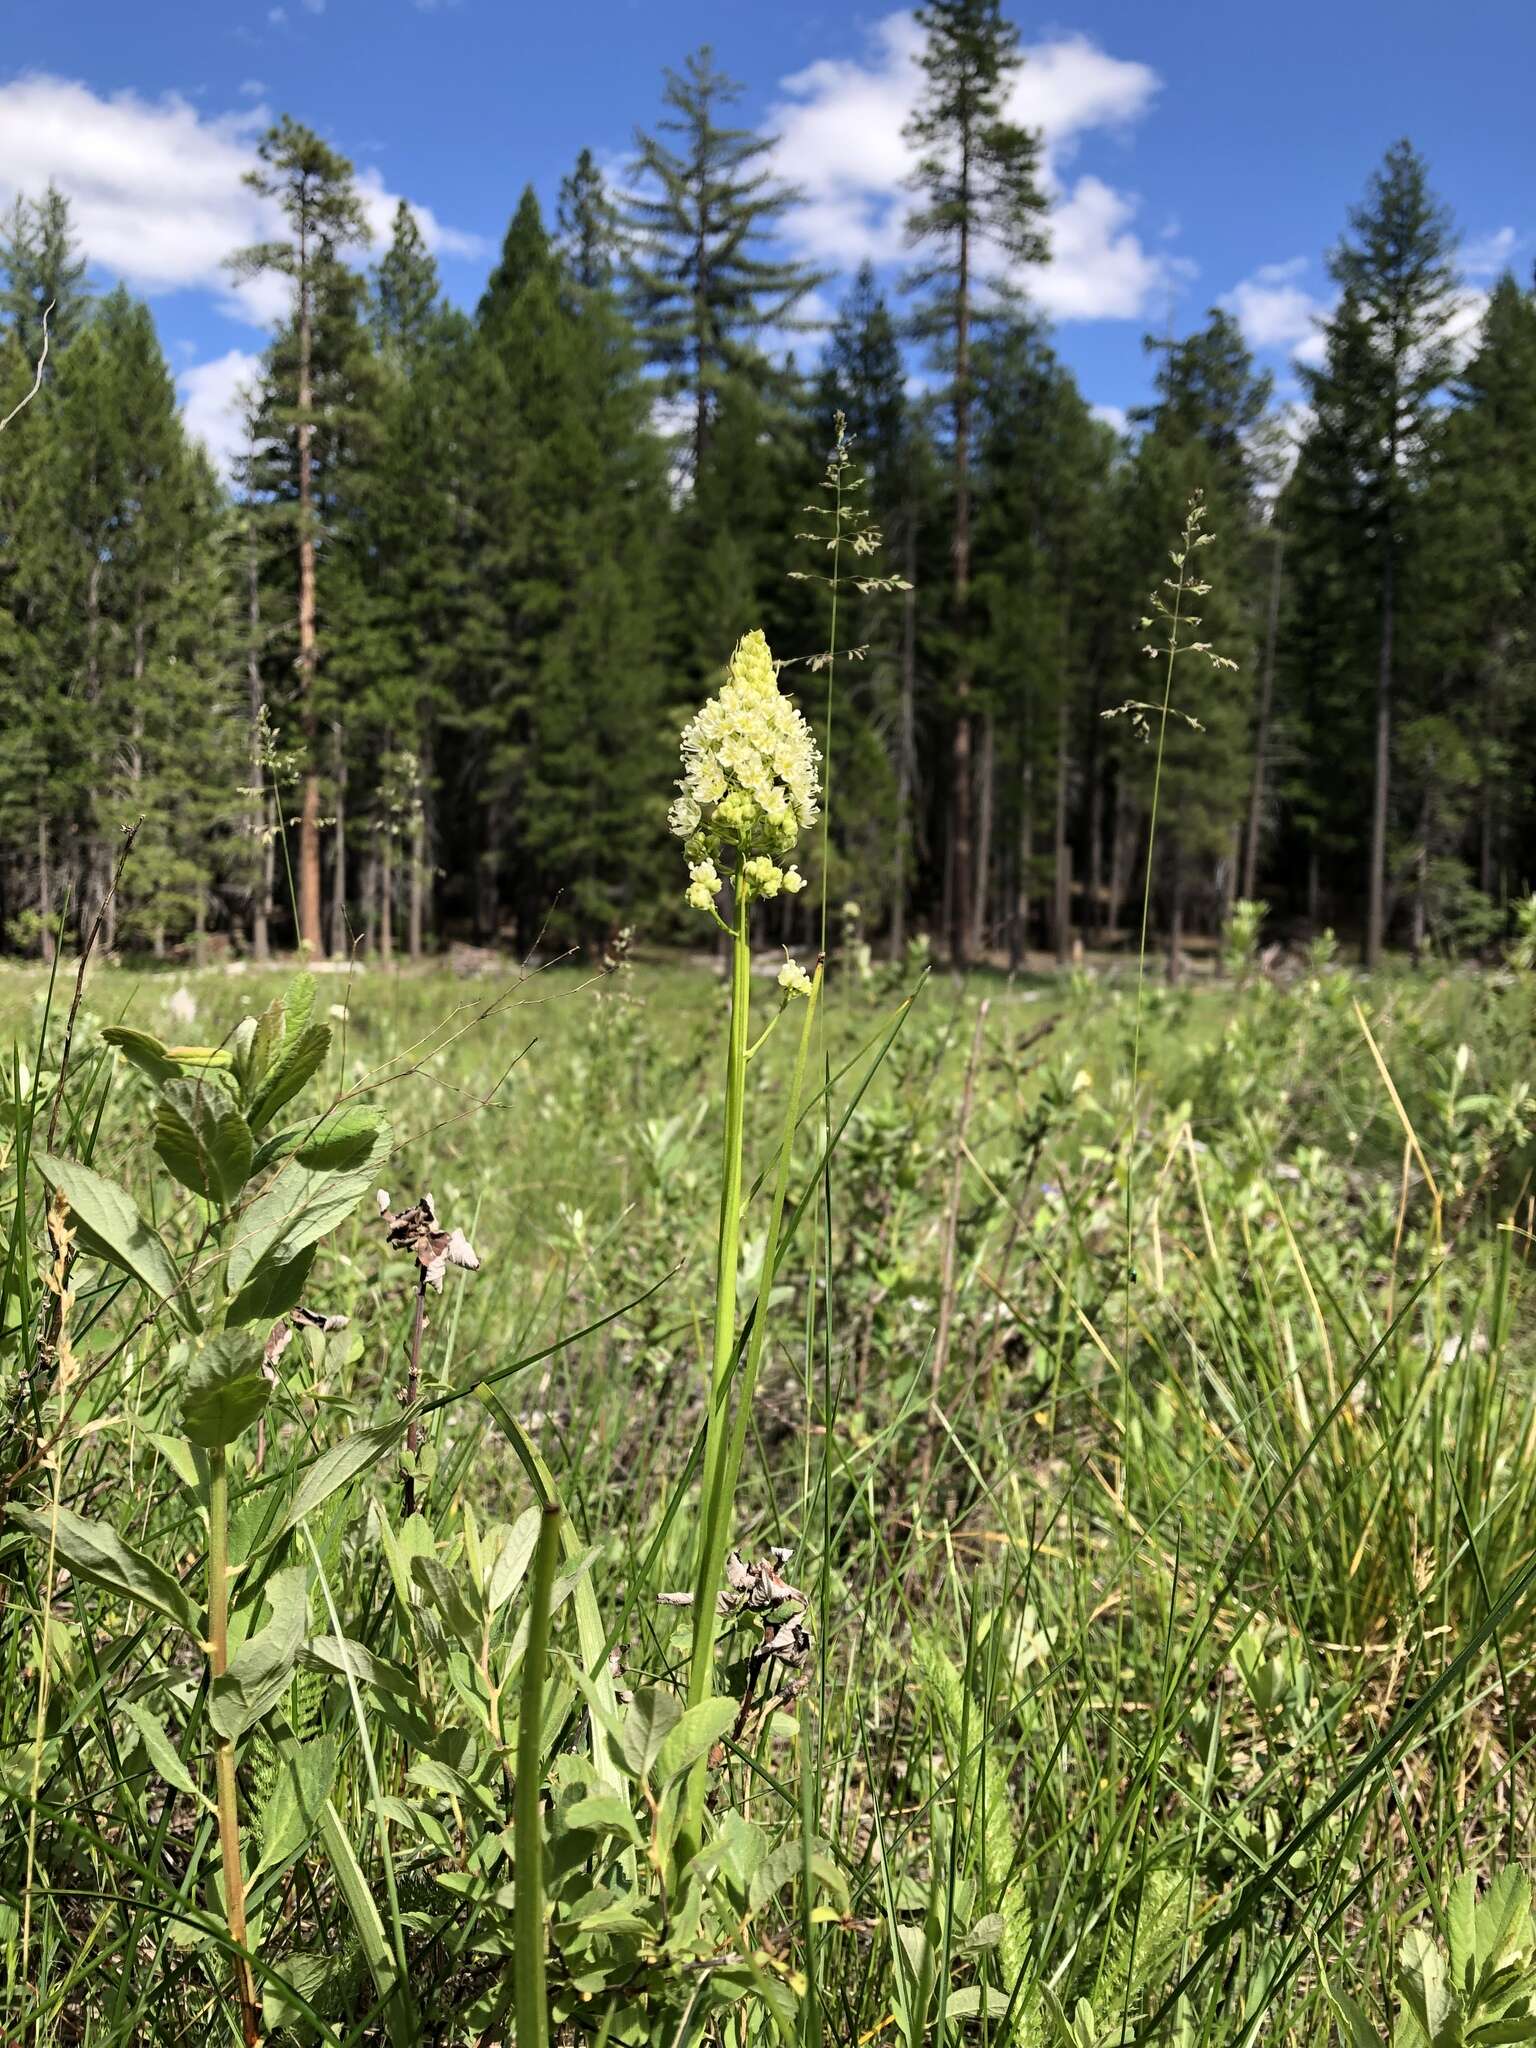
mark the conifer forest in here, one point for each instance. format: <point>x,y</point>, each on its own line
<point>767,1136</point>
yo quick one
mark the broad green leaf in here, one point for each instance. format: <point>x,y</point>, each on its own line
<point>335,1467</point>
<point>94,1551</point>
<point>1423,1982</point>
<point>1355,2027</point>
<point>513,1551</point>
<point>188,1465</point>
<point>263,1047</point>
<point>298,1006</point>
<point>260,1669</point>
<point>349,1139</point>
<point>298,1062</point>
<point>111,1227</point>
<point>976,1999</point>
<point>143,1050</point>
<point>692,1736</point>
<point>161,1752</point>
<point>1461,1925</point>
<point>314,1976</point>
<point>652,1716</point>
<point>225,1390</point>
<point>271,1291</point>
<point>1503,1919</point>
<point>339,1655</point>
<point>601,1813</point>
<point>455,1612</point>
<point>289,1216</point>
<point>305,1773</point>
<point>204,1141</point>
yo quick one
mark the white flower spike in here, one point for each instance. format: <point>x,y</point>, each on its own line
<point>749,781</point>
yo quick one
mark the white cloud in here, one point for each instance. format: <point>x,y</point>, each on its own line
<point>1487,255</point>
<point>210,402</point>
<point>840,128</point>
<point>1114,416</point>
<point>1273,308</point>
<point>157,188</point>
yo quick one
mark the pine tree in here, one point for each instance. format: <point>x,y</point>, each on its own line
<point>406,311</point>
<point>588,226</point>
<point>1489,478</point>
<point>705,293</point>
<point>1372,443</point>
<point>313,187</point>
<point>863,377</point>
<point>978,185</point>
<point>45,274</point>
<point>398,661</point>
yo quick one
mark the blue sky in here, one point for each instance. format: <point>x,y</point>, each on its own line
<point>1204,151</point>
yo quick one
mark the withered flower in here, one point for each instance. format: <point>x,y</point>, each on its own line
<point>418,1232</point>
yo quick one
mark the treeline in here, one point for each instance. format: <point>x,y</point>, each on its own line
<point>420,673</point>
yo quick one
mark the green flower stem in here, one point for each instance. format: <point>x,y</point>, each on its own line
<point>531,2006</point>
<point>224,1751</point>
<point>723,1472</point>
<point>728,1257</point>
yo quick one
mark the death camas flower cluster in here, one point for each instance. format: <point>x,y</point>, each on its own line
<point>748,783</point>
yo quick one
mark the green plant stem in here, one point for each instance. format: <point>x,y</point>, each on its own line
<point>701,1663</point>
<point>720,1489</point>
<point>224,1751</point>
<point>530,2004</point>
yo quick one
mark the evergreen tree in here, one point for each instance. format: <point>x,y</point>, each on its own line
<point>977,181</point>
<point>44,272</point>
<point>1375,430</point>
<point>406,311</point>
<point>705,290</point>
<point>862,376</point>
<point>588,225</point>
<point>313,187</point>
<point>1489,479</point>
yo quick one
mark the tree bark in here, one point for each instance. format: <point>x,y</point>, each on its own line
<point>985,792</point>
<point>1093,909</point>
<point>1061,901</point>
<point>44,889</point>
<point>906,741</point>
<point>339,845</point>
<point>1021,913</point>
<point>1262,722</point>
<point>310,932</point>
<point>960,555</point>
<point>1175,914</point>
<point>387,895</point>
<point>1376,890</point>
<point>417,910</point>
<point>261,878</point>
<point>1119,848</point>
